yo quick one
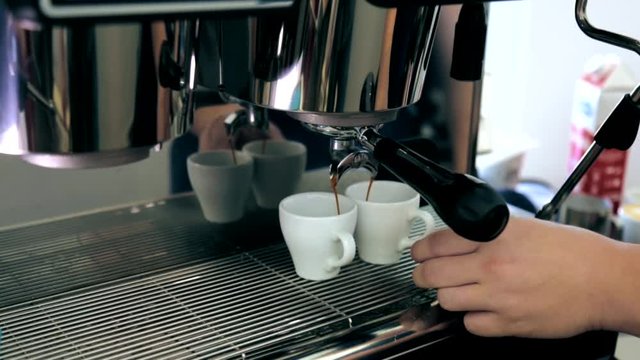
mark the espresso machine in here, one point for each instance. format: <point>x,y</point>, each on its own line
<point>98,83</point>
<point>302,60</point>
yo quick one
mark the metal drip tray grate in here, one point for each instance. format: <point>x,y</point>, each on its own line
<point>158,282</point>
<point>247,305</point>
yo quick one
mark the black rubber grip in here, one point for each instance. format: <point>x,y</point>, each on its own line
<point>620,129</point>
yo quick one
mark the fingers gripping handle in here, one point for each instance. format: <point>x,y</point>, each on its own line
<point>430,225</point>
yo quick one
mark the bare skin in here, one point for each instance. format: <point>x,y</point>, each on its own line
<point>537,279</point>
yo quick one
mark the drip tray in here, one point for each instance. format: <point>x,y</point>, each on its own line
<point>246,305</point>
<point>248,302</point>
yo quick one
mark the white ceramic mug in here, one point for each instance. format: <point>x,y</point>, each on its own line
<point>319,240</point>
<point>384,221</point>
<point>278,168</point>
<point>629,215</point>
<point>221,186</point>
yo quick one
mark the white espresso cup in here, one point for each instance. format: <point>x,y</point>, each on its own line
<point>278,168</point>
<point>629,215</point>
<point>384,221</point>
<point>221,186</point>
<point>319,240</point>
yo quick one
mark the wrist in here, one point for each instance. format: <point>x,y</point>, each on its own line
<point>621,294</point>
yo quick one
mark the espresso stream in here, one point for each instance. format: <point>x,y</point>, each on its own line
<point>334,187</point>
<point>233,151</point>
<point>369,189</point>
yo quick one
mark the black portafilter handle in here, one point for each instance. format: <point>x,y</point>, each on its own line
<point>469,206</point>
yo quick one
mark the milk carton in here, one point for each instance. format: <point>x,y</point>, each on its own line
<point>603,84</point>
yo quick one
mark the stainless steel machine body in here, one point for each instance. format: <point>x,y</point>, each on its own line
<point>339,63</point>
<point>90,94</point>
<point>349,65</point>
<point>84,93</point>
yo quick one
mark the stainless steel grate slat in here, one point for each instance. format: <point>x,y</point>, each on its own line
<point>108,299</point>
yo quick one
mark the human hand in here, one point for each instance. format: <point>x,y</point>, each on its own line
<point>537,279</point>
<point>210,129</point>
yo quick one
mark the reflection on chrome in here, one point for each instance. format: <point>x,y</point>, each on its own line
<point>330,57</point>
<point>425,320</point>
<point>90,93</point>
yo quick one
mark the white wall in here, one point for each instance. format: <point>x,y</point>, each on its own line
<point>535,53</point>
<point>29,193</point>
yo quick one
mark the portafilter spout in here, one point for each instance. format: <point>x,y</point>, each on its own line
<point>469,206</point>
<point>347,154</point>
<point>247,115</point>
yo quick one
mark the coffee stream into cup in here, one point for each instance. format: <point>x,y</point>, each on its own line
<point>233,150</point>
<point>369,189</point>
<point>334,187</point>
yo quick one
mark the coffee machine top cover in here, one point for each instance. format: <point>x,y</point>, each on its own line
<point>64,10</point>
<point>99,9</point>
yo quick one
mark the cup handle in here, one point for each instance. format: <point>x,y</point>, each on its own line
<point>430,225</point>
<point>348,250</point>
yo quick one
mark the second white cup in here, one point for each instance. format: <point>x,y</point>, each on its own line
<point>221,186</point>
<point>384,221</point>
<point>278,168</point>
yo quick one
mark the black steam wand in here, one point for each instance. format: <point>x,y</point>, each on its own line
<point>619,130</point>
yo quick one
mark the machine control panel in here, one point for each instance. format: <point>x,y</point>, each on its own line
<point>73,9</point>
